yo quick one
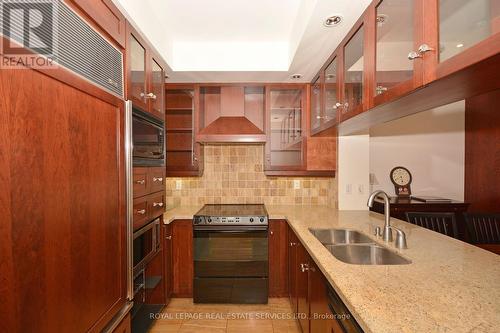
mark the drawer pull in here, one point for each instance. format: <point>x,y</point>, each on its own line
<point>141,211</point>
<point>158,179</point>
<point>169,237</point>
<point>141,182</point>
<point>157,204</point>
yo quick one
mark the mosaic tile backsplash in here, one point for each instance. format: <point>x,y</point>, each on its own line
<point>234,174</point>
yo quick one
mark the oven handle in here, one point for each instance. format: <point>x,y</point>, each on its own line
<point>230,229</point>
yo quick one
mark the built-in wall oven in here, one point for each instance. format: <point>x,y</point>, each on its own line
<point>148,135</point>
<point>231,254</point>
<point>146,243</point>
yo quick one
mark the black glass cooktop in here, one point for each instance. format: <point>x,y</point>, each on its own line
<point>233,210</point>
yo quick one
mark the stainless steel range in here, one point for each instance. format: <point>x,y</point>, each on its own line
<point>231,254</point>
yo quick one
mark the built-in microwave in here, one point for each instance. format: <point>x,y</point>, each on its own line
<point>148,136</point>
<point>146,244</point>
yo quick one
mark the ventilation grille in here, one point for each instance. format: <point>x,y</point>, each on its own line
<point>82,50</point>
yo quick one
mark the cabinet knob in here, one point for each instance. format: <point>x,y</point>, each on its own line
<point>148,96</point>
<point>293,244</point>
<point>140,182</point>
<point>169,237</point>
<point>141,211</point>
<point>271,233</point>
<point>380,89</point>
<point>424,48</point>
<point>304,267</point>
<point>157,204</point>
<point>157,179</point>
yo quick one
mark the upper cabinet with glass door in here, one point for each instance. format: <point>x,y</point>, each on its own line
<point>332,96</point>
<point>396,37</point>
<point>468,32</point>
<point>146,75</point>
<point>315,107</point>
<point>354,75</point>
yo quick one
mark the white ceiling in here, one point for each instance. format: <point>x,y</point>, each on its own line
<point>241,40</point>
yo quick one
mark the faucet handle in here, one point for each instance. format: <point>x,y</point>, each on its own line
<point>400,242</point>
<point>378,232</point>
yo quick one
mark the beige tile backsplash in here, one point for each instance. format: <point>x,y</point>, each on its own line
<point>234,174</point>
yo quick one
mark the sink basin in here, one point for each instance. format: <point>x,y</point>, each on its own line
<point>340,236</point>
<point>366,254</point>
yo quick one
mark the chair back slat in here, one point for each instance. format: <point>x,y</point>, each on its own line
<point>444,223</point>
<point>483,228</point>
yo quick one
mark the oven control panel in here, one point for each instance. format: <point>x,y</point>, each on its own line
<point>230,220</point>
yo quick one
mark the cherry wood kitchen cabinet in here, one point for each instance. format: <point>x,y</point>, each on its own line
<point>167,261</point>
<point>293,268</point>
<point>184,155</point>
<point>148,193</point>
<point>182,258</point>
<point>124,326</point>
<point>145,75</point>
<point>62,202</point>
<point>278,258</point>
<point>107,16</point>
<point>321,320</point>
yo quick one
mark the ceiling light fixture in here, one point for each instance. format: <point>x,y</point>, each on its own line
<point>332,21</point>
<point>296,76</point>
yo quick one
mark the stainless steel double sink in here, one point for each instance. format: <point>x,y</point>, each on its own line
<point>354,247</point>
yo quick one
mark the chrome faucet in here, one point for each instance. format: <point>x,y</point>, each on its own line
<point>387,231</point>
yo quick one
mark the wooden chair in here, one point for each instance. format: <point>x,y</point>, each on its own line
<point>483,228</point>
<point>444,223</point>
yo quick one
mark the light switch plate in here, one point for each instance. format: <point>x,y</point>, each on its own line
<point>296,184</point>
<point>178,184</point>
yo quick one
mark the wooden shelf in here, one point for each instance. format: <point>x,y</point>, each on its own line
<point>179,129</point>
<point>179,109</point>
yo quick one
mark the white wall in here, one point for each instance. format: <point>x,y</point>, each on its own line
<point>430,144</point>
<point>353,172</point>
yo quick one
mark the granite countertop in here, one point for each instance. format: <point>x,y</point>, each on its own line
<point>450,286</point>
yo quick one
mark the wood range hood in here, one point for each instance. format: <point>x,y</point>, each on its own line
<point>231,114</point>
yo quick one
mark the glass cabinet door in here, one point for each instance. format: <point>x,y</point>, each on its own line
<point>157,87</point>
<point>137,72</point>
<point>285,146</point>
<point>464,23</point>
<point>395,39</point>
<point>316,105</point>
<point>353,71</point>
<point>331,92</point>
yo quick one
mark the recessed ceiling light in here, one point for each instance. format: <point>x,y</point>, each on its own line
<point>296,76</point>
<point>166,76</point>
<point>460,45</point>
<point>332,21</point>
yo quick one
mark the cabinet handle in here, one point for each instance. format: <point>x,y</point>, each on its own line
<point>141,211</point>
<point>420,52</point>
<point>148,96</point>
<point>293,244</point>
<point>337,106</point>
<point>169,237</point>
<point>157,204</point>
<point>157,179</point>
<point>380,89</point>
<point>140,182</point>
<point>414,55</point>
<point>271,233</point>
<point>304,267</point>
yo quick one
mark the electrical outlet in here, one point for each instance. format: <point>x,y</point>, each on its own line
<point>348,189</point>
<point>178,184</point>
<point>296,184</point>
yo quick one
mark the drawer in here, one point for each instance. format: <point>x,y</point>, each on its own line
<point>140,212</point>
<point>156,203</point>
<point>156,178</point>
<point>140,182</point>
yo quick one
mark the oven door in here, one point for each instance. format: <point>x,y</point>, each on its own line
<point>230,265</point>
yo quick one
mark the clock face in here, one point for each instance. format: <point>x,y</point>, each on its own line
<point>400,176</point>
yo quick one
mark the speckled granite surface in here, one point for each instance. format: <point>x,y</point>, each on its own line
<point>450,286</point>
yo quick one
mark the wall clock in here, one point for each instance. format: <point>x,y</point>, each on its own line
<point>401,178</point>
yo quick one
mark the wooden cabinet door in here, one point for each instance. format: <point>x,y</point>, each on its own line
<point>157,89</point>
<point>293,268</point>
<point>182,258</point>
<point>167,260</point>
<point>278,258</point>
<point>137,71</point>
<point>320,312</point>
<point>63,210</point>
<point>315,109</point>
<point>456,44</point>
<point>303,266</point>
<point>124,326</point>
